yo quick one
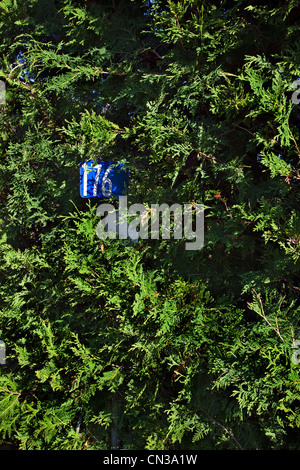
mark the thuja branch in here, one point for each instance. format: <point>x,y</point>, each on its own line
<point>263,315</point>
<point>10,393</point>
<point>225,429</point>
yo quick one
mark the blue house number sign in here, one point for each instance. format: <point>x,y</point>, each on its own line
<point>102,179</point>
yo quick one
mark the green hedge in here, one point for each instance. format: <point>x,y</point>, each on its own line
<point>147,345</point>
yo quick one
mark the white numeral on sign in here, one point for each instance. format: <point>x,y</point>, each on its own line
<point>106,191</point>
<point>98,167</point>
<point>105,181</point>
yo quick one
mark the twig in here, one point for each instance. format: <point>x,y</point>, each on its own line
<point>226,207</point>
<point>156,53</point>
<point>11,393</point>
<point>293,338</point>
<point>14,68</point>
<point>265,318</point>
<point>244,129</point>
<point>214,159</point>
<point>225,429</point>
<point>121,74</point>
<point>221,375</point>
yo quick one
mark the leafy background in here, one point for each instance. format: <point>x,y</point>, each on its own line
<point>147,345</point>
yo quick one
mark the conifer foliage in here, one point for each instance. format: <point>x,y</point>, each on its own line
<point>147,345</point>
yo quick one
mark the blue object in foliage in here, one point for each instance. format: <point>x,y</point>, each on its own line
<point>102,179</point>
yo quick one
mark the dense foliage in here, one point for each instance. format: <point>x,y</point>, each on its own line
<point>147,345</point>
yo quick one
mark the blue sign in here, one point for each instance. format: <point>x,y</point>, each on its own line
<point>102,179</point>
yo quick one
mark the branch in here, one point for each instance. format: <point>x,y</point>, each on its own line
<point>214,159</point>
<point>11,393</point>
<point>225,429</point>
<point>265,318</point>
